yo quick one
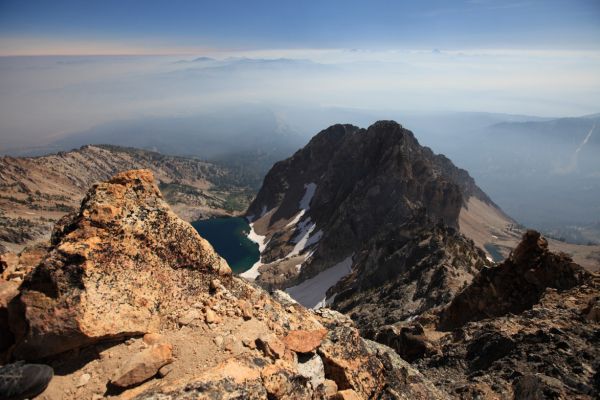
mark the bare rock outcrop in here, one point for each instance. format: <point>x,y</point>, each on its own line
<point>524,329</point>
<point>331,197</point>
<point>515,285</point>
<point>121,266</point>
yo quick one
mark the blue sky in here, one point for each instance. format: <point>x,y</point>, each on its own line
<point>188,26</point>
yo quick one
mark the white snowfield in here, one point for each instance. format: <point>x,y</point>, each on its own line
<point>312,292</point>
<point>308,195</point>
<point>252,273</point>
<point>303,239</point>
<point>304,204</point>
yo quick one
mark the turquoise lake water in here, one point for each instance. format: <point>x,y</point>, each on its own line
<point>229,238</point>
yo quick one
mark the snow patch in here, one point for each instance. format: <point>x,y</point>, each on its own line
<point>312,292</point>
<point>308,195</point>
<point>304,204</point>
<point>256,238</point>
<point>296,219</point>
<point>314,238</point>
<point>302,238</point>
<point>252,273</point>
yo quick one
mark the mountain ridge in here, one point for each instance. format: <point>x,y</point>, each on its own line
<point>37,191</point>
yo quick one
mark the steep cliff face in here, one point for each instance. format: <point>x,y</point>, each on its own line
<point>131,301</point>
<point>347,186</point>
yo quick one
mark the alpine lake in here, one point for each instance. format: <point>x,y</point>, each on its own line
<point>229,237</point>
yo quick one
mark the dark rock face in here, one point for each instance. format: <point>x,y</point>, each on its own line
<point>549,351</point>
<point>515,285</point>
<point>525,329</point>
<point>365,179</point>
<point>405,271</point>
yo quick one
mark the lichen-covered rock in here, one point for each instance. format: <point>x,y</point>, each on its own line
<point>349,364</point>
<point>122,265</point>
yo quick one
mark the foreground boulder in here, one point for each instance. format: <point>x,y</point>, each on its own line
<point>121,266</point>
<point>143,365</point>
<point>131,302</point>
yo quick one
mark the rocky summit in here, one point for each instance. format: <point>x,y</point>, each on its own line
<point>131,302</point>
<point>368,221</point>
<point>322,204</point>
<point>78,294</point>
<point>325,205</point>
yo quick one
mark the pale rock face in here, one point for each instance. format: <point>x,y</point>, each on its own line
<point>120,266</point>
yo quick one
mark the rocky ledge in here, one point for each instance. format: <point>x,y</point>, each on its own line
<point>131,302</point>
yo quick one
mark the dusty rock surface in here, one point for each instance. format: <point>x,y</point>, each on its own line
<point>105,309</point>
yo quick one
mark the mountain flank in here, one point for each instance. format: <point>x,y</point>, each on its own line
<point>524,329</point>
<point>37,191</point>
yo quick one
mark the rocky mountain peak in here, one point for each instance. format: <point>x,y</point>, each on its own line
<point>327,201</point>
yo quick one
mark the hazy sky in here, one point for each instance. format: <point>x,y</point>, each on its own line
<point>536,57</point>
<point>148,26</point>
